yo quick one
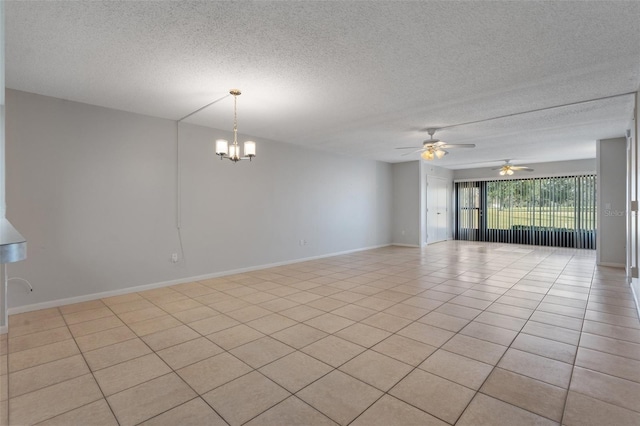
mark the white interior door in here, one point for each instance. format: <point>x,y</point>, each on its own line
<point>437,209</point>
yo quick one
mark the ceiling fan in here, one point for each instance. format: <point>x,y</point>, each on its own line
<point>435,148</point>
<point>508,169</point>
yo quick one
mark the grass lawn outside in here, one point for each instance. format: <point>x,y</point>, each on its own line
<point>557,217</point>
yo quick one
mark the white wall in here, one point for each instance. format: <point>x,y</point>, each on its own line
<point>406,203</point>
<point>555,168</point>
<point>611,201</point>
<point>3,211</point>
<point>633,195</point>
<point>3,206</point>
<point>94,192</point>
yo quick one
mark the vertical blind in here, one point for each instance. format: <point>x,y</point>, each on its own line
<point>557,212</point>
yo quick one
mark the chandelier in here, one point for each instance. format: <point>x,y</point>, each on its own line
<point>232,152</point>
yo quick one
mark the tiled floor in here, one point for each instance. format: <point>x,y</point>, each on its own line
<point>457,333</point>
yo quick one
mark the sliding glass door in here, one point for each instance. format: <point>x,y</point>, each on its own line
<point>468,211</point>
<point>556,212</point>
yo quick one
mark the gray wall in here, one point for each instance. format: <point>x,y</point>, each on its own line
<point>612,201</point>
<point>406,203</point>
<point>94,192</point>
<point>410,200</point>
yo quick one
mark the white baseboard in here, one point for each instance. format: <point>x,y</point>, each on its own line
<point>406,245</point>
<point>429,243</point>
<point>612,265</point>
<point>119,292</point>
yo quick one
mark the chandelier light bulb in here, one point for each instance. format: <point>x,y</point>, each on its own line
<point>249,149</point>
<point>234,152</point>
<point>222,147</point>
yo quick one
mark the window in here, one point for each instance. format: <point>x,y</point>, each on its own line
<point>557,212</point>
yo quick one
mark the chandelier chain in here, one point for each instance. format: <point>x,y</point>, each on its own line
<point>235,119</point>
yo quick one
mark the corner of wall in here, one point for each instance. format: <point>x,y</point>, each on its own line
<point>633,193</point>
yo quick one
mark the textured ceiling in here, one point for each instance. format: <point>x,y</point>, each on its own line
<point>358,78</point>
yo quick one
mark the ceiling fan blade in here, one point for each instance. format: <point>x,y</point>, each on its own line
<point>497,168</point>
<point>522,168</point>
<point>412,152</point>
<point>458,145</point>
<point>408,147</point>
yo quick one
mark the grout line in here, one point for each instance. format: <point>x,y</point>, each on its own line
<point>573,367</point>
<point>88,368</point>
<point>173,371</point>
<point>253,369</point>
<point>501,357</point>
<point>390,264</point>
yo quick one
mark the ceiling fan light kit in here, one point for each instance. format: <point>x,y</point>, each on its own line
<point>435,148</point>
<point>509,169</point>
<point>506,170</point>
<point>432,153</point>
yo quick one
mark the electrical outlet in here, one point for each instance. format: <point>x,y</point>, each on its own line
<point>174,257</point>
